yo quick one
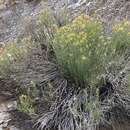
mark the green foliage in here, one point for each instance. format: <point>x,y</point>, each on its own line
<point>11,53</point>
<point>25,104</point>
<point>45,26</point>
<point>80,50</point>
<point>87,58</point>
<point>121,36</point>
<point>27,97</point>
<point>83,51</point>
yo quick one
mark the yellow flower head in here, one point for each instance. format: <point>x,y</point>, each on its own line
<point>122,26</point>
<point>83,57</point>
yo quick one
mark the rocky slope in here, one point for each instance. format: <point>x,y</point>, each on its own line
<point>18,17</point>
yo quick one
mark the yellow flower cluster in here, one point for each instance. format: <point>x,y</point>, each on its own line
<point>76,32</point>
<point>81,21</point>
<point>76,43</point>
<point>123,26</point>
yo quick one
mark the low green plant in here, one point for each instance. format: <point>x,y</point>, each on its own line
<point>82,51</point>
<point>27,96</point>
<point>13,52</point>
<point>121,36</point>
<point>45,26</point>
<point>25,104</point>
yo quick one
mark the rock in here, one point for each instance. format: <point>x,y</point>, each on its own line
<point>12,119</point>
<point>11,18</point>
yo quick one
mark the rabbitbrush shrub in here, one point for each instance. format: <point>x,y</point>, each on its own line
<point>121,36</point>
<point>83,51</point>
<point>89,64</point>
